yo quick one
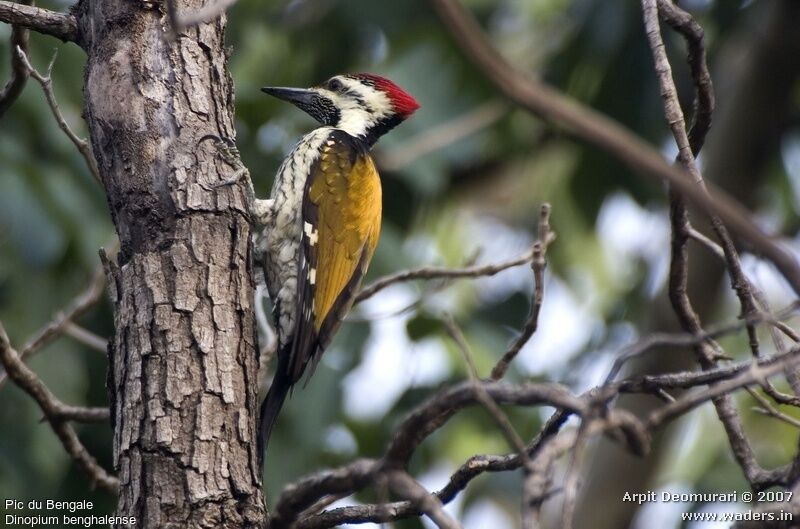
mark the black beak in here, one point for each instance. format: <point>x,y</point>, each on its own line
<point>297,96</point>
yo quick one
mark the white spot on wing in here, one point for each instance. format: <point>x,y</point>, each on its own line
<point>311,232</point>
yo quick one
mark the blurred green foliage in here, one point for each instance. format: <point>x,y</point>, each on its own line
<point>441,207</point>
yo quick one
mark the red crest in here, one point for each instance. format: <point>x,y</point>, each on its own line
<point>402,102</point>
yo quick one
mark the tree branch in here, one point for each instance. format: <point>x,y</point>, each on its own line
<point>486,400</point>
<point>439,408</point>
<point>60,25</point>
<point>548,445</point>
<point>538,264</point>
<point>768,409</point>
<point>80,304</point>
<point>19,74</point>
<point>410,433</point>
<point>597,129</point>
<point>707,351</point>
<point>87,338</point>
<point>442,135</point>
<point>683,339</point>
<point>403,484</point>
<point>754,374</point>
<point>536,482</point>
<point>57,414</point>
<point>47,86</point>
<point>437,272</point>
<point>690,379</point>
<point>704,101</point>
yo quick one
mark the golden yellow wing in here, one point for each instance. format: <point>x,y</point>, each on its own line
<point>341,226</point>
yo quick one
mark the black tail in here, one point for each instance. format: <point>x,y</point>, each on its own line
<point>272,406</point>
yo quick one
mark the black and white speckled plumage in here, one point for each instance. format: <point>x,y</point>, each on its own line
<point>279,241</point>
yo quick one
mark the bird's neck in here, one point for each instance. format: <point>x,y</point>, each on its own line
<point>366,126</point>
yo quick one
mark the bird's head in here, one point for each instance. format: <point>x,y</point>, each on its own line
<point>364,105</point>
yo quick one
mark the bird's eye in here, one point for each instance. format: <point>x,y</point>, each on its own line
<point>335,85</point>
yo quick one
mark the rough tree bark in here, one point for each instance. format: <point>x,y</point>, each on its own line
<point>183,363</point>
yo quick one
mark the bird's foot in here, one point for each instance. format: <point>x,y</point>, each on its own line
<point>260,210</point>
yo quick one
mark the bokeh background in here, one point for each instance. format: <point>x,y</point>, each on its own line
<point>463,181</point>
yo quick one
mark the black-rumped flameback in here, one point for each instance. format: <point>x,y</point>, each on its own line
<point>321,224</point>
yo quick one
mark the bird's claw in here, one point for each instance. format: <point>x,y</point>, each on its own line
<point>260,210</point>
<point>234,179</point>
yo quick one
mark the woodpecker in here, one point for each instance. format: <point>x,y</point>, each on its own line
<point>322,221</point>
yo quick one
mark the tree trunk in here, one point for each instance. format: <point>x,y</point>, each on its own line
<point>183,362</point>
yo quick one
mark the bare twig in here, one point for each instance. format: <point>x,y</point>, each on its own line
<point>68,412</point>
<point>689,145</point>
<point>683,339</point>
<point>777,326</point>
<point>500,418</point>
<point>86,337</point>
<point>690,379</point>
<point>543,449</point>
<point>571,480</point>
<point>78,306</point>
<point>19,74</point>
<point>768,409</point>
<point>436,272</point>
<point>355,514</point>
<point>777,331</point>
<point>713,247</point>
<point>536,492</point>
<point>436,285</point>
<point>60,25</point>
<point>442,135</point>
<point>704,105</point>
<point>538,264</point>
<point>394,511</point>
<point>47,86</point>
<point>90,296</point>
<point>537,481</point>
<point>301,495</point>
<point>537,488</point>
<point>704,101</point>
<point>404,485</point>
<point>436,410</point>
<point>754,374</point>
<point>57,414</point>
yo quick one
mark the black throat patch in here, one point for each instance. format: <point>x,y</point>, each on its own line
<point>372,134</point>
